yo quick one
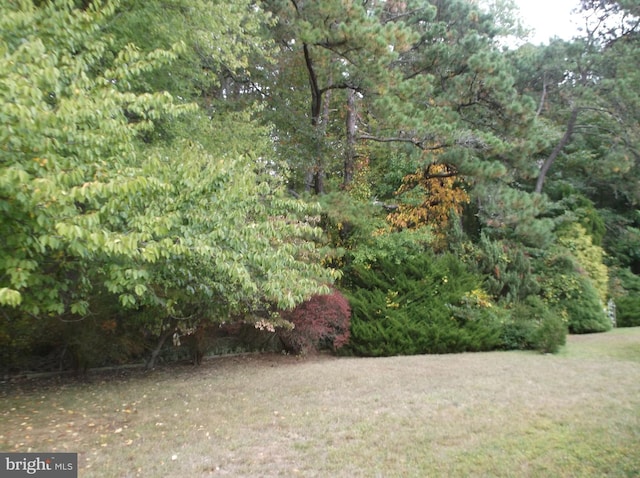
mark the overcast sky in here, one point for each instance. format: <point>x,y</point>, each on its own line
<point>549,18</point>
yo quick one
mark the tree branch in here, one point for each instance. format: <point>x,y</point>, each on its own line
<point>543,96</point>
<point>400,139</point>
<point>556,151</point>
<point>316,94</point>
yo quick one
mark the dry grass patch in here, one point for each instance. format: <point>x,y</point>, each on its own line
<point>490,414</point>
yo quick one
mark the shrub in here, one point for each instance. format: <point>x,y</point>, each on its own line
<point>570,291</point>
<point>585,311</point>
<point>569,204</point>
<point>507,269</point>
<point>623,244</point>
<point>417,307</point>
<point>320,323</point>
<point>628,311</point>
<point>518,332</point>
<point>628,299</point>
<point>518,335</point>
<point>30,344</point>
<point>588,256</point>
<point>533,325</point>
<point>551,334</point>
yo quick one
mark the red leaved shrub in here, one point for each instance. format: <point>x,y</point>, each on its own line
<point>321,323</point>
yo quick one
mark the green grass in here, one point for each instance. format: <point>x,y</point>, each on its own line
<point>502,414</point>
<point>619,344</point>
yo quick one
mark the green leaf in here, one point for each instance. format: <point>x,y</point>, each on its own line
<point>10,297</point>
<point>140,289</point>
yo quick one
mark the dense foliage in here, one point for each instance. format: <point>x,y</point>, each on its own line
<point>174,164</point>
<point>320,323</point>
<point>95,211</point>
<point>628,303</point>
<point>432,305</point>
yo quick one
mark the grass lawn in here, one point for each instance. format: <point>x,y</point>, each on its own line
<point>502,414</point>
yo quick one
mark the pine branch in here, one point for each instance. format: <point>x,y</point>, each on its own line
<point>399,139</point>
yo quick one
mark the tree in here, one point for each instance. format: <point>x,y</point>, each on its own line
<point>92,209</point>
<point>328,48</point>
<point>452,105</point>
<point>587,88</point>
<point>223,47</point>
<point>67,153</point>
<point>438,198</point>
<point>453,99</point>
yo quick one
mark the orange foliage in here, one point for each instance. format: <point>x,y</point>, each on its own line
<point>436,192</point>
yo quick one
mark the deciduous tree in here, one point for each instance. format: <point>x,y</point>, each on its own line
<point>92,208</point>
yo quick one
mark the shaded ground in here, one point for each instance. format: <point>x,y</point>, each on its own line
<point>490,414</point>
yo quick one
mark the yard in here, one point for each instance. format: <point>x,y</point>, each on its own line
<point>516,414</point>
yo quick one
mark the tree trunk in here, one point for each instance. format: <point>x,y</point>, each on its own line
<point>314,176</point>
<point>156,351</point>
<point>543,97</point>
<point>322,132</point>
<point>556,151</point>
<point>350,150</point>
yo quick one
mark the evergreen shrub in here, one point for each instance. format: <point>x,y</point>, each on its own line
<point>568,289</point>
<point>623,244</point>
<point>320,323</point>
<point>628,299</point>
<point>518,334</point>
<point>628,311</point>
<point>571,204</point>
<point>415,307</point>
<point>586,313</point>
<point>551,334</point>
<point>534,326</point>
<point>507,268</point>
<point>588,256</point>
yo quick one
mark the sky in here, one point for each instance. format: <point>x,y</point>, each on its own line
<point>549,18</point>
